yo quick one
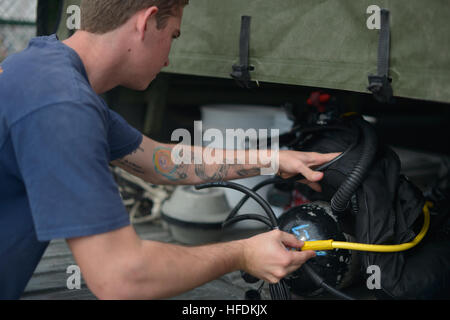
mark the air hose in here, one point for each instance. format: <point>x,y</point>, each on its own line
<point>322,245</point>
<point>346,190</point>
<point>260,200</point>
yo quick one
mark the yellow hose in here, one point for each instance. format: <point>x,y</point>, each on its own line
<point>322,245</point>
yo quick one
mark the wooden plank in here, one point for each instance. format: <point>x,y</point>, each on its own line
<point>57,248</point>
<point>49,281</point>
<point>55,264</point>
<point>83,294</point>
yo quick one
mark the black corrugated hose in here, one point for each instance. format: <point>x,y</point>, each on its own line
<point>340,200</point>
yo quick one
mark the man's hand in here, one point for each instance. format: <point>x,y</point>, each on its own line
<point>293,163</point>
<point>267,256</point>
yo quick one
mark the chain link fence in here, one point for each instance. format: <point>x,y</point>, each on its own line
<point>17,25</point>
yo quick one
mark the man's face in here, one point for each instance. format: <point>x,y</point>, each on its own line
<point>153,53</point>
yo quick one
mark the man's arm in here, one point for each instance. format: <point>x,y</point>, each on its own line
<point>119,265</point>
<point>153,162</point>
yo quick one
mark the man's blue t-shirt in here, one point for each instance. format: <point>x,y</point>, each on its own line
<point>57,138</point>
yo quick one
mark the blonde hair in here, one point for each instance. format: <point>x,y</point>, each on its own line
<point>102,16</point>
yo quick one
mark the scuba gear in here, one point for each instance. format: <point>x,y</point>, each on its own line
<point>364,198</point>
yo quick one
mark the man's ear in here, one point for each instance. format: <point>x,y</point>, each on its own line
<point>144,17</point>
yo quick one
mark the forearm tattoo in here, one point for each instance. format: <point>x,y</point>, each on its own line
<point>219,173</point>
<point>248,172</point>
<point>131,165</point>
<point>164,166</point>
<point>162,161</point>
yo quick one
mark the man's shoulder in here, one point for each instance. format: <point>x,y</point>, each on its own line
<point>46,73</point>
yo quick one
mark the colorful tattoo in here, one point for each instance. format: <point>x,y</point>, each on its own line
<point>162,160</point>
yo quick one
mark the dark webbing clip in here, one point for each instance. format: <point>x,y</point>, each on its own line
<point>380,84</point>
<point>241,71</point>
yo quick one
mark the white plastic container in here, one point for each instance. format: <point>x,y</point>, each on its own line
<point>196,216</point>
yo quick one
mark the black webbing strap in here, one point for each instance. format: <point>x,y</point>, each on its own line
<point>241,72</point>
<point>380,84</point>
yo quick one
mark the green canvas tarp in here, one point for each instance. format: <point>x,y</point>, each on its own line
<point>320,43</point>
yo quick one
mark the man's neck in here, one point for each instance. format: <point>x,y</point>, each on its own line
<point>100,57</point>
